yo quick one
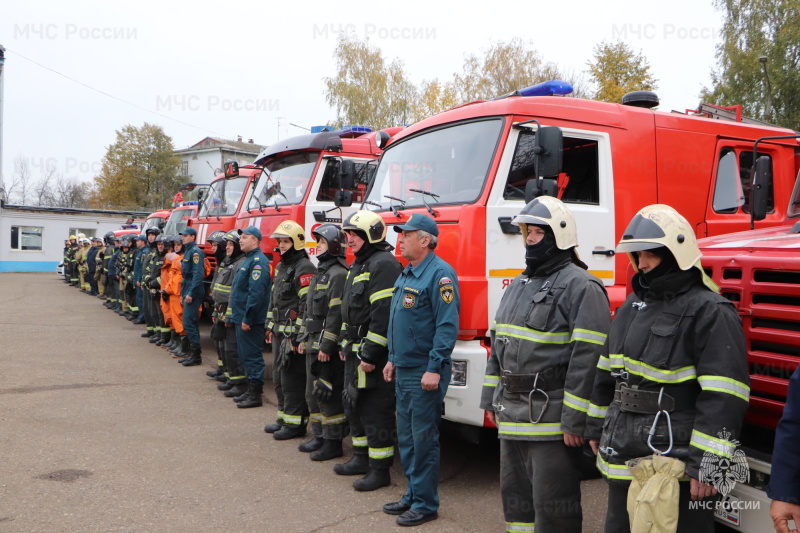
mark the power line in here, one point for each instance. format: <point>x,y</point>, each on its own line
<point>117,98</point>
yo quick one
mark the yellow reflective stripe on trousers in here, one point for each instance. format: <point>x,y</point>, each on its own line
<point>576,402</point>
<point>521,428</point>
<point>292,419</point>
<point>517,527</point>
<point>652,373</point>
<point>377,339</point>
<point>378,295</point>
<point>381,453</point>
<point>361,378</point>
<point>491,381</point>
<point>532,335</point>
<point>587,335</point>
<point>613,471</point>
<point>727,385</point>
<point>359,442</point>
<point>333,420</point>
<point>315,417</point>
<point>715,445</point>
<point>280,415</point>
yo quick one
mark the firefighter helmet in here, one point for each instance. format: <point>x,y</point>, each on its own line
<point>109,238</point>
<point>216,237</point>
<point>231,236</point>
<point>154,231</point>
<point>290,229</point>
<point>81,236</point>
<point>549,211</point>
<point>367,222</point>
<point>660,225</point>
<point>334,236</point>
<point>72,237</point>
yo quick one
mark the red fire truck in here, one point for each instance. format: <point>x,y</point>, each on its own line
<point>474,167</point>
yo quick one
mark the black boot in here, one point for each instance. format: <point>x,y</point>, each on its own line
<point>194,358</point>
<point>213,374</point>
<point>174,340</point>
<point>312,445</point>
<point>237,389</point>
<point>275,426</point>
<point>290,431</point>
<point>156,336</point>
<point>181,350</point>
<point>375,479</point>
<point>358,464</point>
<point>226,385</point>
<point>253,398</point>
<point>331,449</point>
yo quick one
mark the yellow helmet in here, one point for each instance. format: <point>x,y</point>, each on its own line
<point>290,229</point>
<point>72,237</point>
<point>368,222</point>
<point>549,211</point>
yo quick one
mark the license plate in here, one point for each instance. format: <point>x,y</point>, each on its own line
<point>728,510</point>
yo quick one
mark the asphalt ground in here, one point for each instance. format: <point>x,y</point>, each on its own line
<point>102,431</point>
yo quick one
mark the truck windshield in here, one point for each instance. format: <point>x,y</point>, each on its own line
<point>177,220</point>
<point>794,206</point>
<point>285,180</point>
<point>451,163</point>
<point>223,197</point>
<point>153,222</point>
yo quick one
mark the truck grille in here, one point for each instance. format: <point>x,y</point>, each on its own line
<point>764,285</point>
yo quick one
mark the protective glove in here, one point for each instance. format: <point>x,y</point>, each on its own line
<point>322,391</point>
<point>164,296</point>
<point>350,397</point>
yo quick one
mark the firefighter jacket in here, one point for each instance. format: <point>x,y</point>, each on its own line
<point>223,281</point>
<point>167,270</point>
<point>193,271</point>
<point>91,259</point>
<point>148,272</point>
<point>173,284</point>
<point>366,303</point>
<point>688,340</point>
<point>124,264</point>
<point>292,280</point>
<point>156,264</point>
<point>784,483</point>
<point>423,323</point>
<point>323,306</point>
<point>107,252</point>
<point>70,254</point>
<point>547,337</point>
<point>137,263</point>
<point>251,289</point>
<point>80,257</point>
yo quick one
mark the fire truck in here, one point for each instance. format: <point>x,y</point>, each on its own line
<point>473,168</point>
<point>759,271</point>
<point>180,217</point>
<point>156,220</point>
<point>303,177</point>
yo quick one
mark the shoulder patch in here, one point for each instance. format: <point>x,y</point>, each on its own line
<point>447,293</point>
<point>445,280</point>
<point>409,300</point>
<point>256,274</point>
<point>196,259</point>
<point>305,280</point>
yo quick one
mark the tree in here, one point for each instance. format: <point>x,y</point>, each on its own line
<point>21,182</point>
<point>366,89</point>
<point>768,90</point>
<point>617,70</point>
<point>433,98</point>
<point>138,171</point>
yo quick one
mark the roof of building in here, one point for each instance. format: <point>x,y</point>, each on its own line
<point>225,144</point>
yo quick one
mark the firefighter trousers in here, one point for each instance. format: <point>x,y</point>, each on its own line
<point>540,486</point>
<point>373,424</point>
<point>191,319</point>
<point>251,352</point>
<point>691,519</point>
<point>233,366</point>
<point>334,421</point>
<point>293,386</point>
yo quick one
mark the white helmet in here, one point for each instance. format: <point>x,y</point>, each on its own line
<point>660,225</point>
<point>549,211</point>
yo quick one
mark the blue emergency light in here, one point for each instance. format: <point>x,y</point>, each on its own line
<point>190,202</point>
<point>547,88</point>
<point>353,130</point>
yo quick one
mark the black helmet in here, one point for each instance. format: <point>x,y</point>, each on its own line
<point>176,239</point>
<point>216,237</point>
<point>334,236</point>
<point>232,236</point>
<point>109,238</point>
<point>154,231</point>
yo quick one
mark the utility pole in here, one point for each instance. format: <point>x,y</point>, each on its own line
<point>2,77</point>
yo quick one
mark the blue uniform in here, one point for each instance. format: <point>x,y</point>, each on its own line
<point>137,278</point>
<point>784,484</point>
<point>423,327</point>
<point>193,272</point>
<point>250,296</point>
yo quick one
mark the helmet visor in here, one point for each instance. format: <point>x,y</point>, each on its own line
<point>641,234</point>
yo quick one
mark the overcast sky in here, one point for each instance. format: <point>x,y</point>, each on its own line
<point>251,69</point>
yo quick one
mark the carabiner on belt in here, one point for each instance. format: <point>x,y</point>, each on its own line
<point>530,401</point>
<point>655,423</point>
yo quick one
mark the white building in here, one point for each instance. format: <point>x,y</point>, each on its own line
<point>201,162</point>
<point>32,238</point>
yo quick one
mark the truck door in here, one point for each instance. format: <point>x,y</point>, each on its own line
<point>585,185</point>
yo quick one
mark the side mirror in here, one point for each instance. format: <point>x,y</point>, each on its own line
<point>541,187</point>
<point>343,198</point>
<point>347,175</point>
<point>548,147</point>
<point>760,185</point>
<point>231,169</point>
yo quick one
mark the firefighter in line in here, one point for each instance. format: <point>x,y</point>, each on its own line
<point>166,278</point>
<point>218,250</point>
<point>249,303</point>
<point>124,272</point>
<point>423,328</point>
<point>71,266</point>
<point>141,249</point>
<point>66,262</point>
<point>83,268</point>
<point>235,382</point>
<point>673,377</point>
<point>318,335</point>
<point>113,277</point>
<point>91,262</point>
<point>148,273</point>
<point>369,401</point>
<point>103,256</point>
<point>292,278</point>
<point>180,349</point>
<point>192,291</point>
<point>547,337</point>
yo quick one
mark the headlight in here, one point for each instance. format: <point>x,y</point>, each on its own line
<point>459,375</point>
